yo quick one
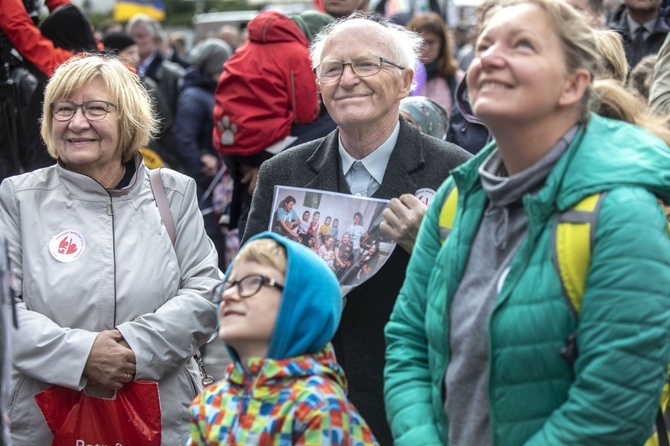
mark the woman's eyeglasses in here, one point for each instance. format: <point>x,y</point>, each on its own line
<point>246,286</point>
<point>93,110</point>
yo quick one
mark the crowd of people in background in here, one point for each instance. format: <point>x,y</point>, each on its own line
<point>484,133</point>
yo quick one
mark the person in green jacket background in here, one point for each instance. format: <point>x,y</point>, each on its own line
<point>476,342</point>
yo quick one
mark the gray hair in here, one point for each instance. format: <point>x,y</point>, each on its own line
<point>403,43</point>
<point>152,25</point>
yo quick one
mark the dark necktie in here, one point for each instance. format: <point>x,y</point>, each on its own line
<point>637,47</point>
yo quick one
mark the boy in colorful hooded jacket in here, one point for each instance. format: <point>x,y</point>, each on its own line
<point>279,308</point>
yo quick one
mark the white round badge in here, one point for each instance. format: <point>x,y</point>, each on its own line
<point>67,246</point>
<point>425,195</point>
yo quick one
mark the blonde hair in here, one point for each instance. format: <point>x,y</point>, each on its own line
<point>264,251</point>
<point>612,62</point>
<point>616,102</point>
<point>137,122</point>
<point>576,36</point>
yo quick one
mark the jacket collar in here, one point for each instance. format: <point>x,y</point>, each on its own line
<point>585,167</point>
<point>84,188</point>
<point>262,374</point>
<point>407,156</point>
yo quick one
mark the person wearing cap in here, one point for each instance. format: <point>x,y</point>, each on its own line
<point>193,125</point>
<point>123,46</point>
<point>267,89</point>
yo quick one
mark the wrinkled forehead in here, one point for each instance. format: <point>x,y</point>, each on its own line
<point>357,36</point>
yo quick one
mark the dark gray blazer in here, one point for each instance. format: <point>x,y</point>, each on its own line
<point>418,161</point>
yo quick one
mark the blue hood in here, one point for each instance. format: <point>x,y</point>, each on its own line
<point>311,304</point>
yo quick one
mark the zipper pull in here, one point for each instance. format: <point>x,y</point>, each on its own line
<point>110,209</point>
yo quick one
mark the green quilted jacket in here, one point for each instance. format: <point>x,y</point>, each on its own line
<point>609,396</point>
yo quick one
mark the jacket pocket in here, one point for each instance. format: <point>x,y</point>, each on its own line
<point>194,386</point>
<point>15,392</point>
<point>28,425</point>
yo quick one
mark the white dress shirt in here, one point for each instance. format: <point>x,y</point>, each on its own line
<point>365,176</point>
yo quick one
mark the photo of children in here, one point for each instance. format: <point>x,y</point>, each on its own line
<point>355,249</point>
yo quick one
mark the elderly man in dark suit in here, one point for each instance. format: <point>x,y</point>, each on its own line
<point>364,68</point>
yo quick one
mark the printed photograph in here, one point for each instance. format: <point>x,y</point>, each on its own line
<point>342,229</point>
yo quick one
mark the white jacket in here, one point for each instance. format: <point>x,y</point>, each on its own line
<point>87,259</point>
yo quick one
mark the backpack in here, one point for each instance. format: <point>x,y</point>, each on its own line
<point>572,241</point>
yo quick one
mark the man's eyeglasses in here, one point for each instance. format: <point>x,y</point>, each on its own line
<point>246,286</point>
<point>364,66</point>
<point>93,110</point>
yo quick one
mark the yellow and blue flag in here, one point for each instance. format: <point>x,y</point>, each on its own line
<point>125,9</point>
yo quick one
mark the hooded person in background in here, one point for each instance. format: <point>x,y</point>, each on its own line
<point>267,90</point>
<point>193,126</point>
<point>68,28</point>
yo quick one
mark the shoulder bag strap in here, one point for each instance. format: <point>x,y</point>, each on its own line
<point>162,202</point>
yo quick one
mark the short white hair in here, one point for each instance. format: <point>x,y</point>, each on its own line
<point>403,43</point>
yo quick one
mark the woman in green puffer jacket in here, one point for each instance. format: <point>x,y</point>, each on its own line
<point>474,345</point>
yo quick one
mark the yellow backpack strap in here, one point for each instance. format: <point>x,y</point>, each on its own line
<point>448,214</point>
<point>574,233</point>
<point>663,415</point>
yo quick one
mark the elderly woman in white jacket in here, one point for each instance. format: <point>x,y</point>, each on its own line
<point>104,296</point>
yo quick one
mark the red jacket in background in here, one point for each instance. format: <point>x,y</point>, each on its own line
<point>26,37</point>
<point>267,85</point>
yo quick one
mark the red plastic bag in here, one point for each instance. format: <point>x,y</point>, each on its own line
<point>131,417</point>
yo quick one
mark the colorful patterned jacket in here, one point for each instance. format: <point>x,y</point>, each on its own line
<point>296,401</point>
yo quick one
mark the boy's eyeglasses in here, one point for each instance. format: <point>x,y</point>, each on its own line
<point>364,66</point>
<point>246,286</point>
<point>93,110</point>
